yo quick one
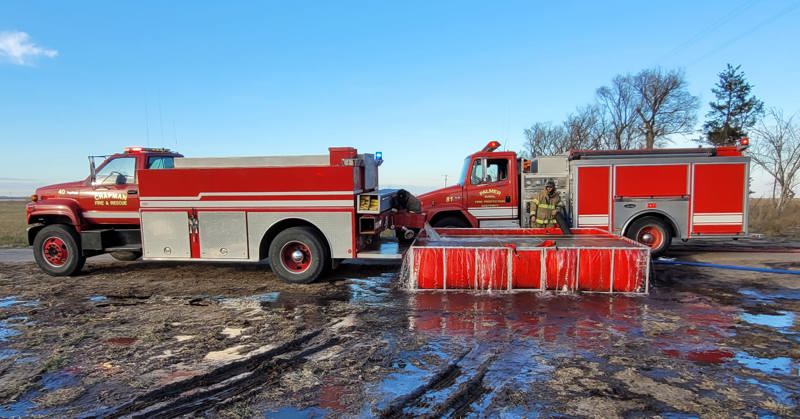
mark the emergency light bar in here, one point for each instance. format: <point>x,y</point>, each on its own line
<point>492,146</point>
<point>138,149</point>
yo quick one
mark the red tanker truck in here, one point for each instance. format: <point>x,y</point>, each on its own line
<point>303,213</point>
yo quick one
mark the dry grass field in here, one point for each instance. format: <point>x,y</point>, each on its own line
<point>763,219</point>
<point>12,224</point>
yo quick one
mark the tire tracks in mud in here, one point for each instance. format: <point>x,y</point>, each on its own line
<point>226,384</point>
<point>448,393</point>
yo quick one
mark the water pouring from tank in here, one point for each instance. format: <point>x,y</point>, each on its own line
<point>534,259</point>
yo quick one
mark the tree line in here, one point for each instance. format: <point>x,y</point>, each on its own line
<point>643,110</point>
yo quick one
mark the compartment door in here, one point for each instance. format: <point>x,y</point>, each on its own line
<point>593,206</point>
<point>718,198</point>
<point>223,235</point>
<point>165,234</point>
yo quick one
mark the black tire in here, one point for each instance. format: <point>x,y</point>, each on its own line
<point>314,255</point>
<point>126,255</point>
<point>57,251</point>
<point>451,222</point>
<point>652,232</point>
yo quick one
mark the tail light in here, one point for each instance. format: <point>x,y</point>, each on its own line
<point>743,144</point>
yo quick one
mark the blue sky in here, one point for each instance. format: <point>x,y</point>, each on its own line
<point>424,82</point>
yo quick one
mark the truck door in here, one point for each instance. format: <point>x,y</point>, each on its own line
<point>490,192</point>
<point>719,199</point>
<point>593,197</point>
<point>113,198</point>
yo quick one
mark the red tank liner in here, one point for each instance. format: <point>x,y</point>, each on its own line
<point>589,260</point>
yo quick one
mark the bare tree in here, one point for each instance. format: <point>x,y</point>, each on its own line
<point>618,102</point>
<point>665,106</point>
<point>545,139</point>
<point>776,149</point>
<point>586,128</point>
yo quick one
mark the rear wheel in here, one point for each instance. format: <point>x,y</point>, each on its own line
<point>56,250</point>
<point>651,232</point>
<point>126,255</point>
<point>297,255</point>
<point>451,222</point>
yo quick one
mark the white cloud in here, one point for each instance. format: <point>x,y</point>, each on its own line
<point>18,48</point>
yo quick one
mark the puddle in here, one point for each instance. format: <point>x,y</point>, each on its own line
<point>10,301</point>
<point>784,320</point>
<point>771,366</point>
<point>9,325</point>
<point>293,412</point>
<point>762,295</point>
<point>780,394</point>
<point>7,353</point>
<point>372,291</point>
<point>26,407</point>
<point>412,369</point>
<point>59,379</point>
<point>97,298</point>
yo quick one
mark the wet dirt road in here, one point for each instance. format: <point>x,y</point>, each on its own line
<point>158,340</point>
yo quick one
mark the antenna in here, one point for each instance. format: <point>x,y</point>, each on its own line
<point>146,119</point>
<point>174,133</point>
<point>160,117</point>
<point>445,180</point>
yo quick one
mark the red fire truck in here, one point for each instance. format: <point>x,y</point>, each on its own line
<point>303,213</point>
<point>651,196</point>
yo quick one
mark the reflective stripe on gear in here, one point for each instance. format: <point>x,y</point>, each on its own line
<point>538,221</point>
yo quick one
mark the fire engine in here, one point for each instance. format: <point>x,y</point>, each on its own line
<point>650,196</point>
<point>303,213</point>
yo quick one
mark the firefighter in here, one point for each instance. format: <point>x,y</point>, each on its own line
<point>545,207</point>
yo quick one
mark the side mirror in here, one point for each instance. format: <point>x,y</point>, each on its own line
<point>121,179</point>
<point>92,171</point>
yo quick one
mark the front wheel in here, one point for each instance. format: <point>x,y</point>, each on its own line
<point>57,252</point>
<point>297,255</point>
<point>651,232</point>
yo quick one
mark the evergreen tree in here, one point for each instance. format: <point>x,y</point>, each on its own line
<point>735,110</point>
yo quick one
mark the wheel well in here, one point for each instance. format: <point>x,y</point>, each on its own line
<point>40,221</point>
<point>444,214</point>
<point>666,220</point>
<point>273,231</point>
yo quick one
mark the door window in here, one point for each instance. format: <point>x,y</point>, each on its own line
<point>160,162</point>
<point>496,170</point>
<point>119,171</point>
<point>478,172</point>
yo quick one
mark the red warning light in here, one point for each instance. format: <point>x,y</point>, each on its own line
<point>492,146</point>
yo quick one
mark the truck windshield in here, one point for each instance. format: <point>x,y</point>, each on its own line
<point>462,179</point>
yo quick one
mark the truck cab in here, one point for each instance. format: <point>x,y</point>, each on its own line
<point>101,210</point>
<point>486,194</point>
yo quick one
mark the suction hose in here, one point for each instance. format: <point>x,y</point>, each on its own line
<point>731,267</point>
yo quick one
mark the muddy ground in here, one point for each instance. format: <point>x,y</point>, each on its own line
<point>156,339</point>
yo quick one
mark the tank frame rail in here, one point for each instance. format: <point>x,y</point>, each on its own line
<point>588,260</point>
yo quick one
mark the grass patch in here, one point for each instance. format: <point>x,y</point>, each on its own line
<point>764,219</point>
<point>12,224</point>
